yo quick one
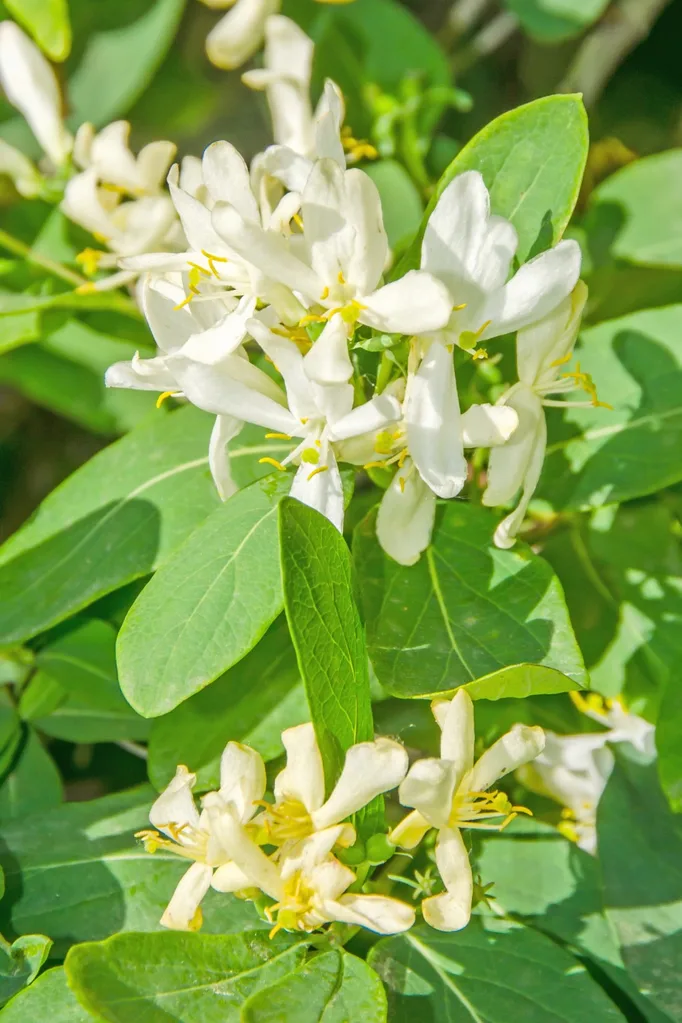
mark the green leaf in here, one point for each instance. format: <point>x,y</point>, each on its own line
<point>493,971</point>
<point>98,92</point>
<point>520,681</point>
<point>20,962</point>
<point>327,633</point>
<point>33,785</point>
<point>251,703</point>
<point>640,850</point>
<point>332,988</point>
<point>11,732</point>
<point>195,978</point>
<point>18,330</point>
<point>556,887</point>
<point>552,21</point>
<point>597,456</point>
<point>464,611</point>
<point>532,160</point>
<point>77,674</point>
<point>48,997</point>
<point>209,604</point>
<point>641,209</point>
<point>77,873</point>
<point>47,21</point>
<point>112,521</point>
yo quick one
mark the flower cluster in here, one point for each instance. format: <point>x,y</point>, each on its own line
<point>292,854</point>
<point>284,263</point>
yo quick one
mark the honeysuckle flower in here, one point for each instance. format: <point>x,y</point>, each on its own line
<point>542,351</point>
<point>191,834</point>
<point>31,86</point>
<point>300,809</point>
<point>452,793</point>
<point>336,263</point>
<point>26,177</point>
<point>309,886</point>
<point>574,769</point>
<point>108,154</point>
<point>209,334</point>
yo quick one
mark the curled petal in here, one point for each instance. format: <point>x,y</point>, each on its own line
<point>224,430</point>
<point>241,849</point>
<point>406,516</point>
<point>456,720</point>
<point>182,912</point>
<point>175,806</point>
<point>239,34</point>
<point>520,745</point>
<point>430,787</point>
<point>242,779</point>
<point>328,361</point>
<point>229,878</point>
<point>321,487</point>
<point>487,426</point>
<point>378,913</point>
<point>303,777</point>
<point>369,769</point>
<point>416,304</point>
<point>409,833</point>
<point>451,910</point>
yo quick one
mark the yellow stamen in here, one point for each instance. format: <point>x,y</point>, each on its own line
<point>340,278</point>
<point>272,461</point>
<point>311,455</point>
<point>311,318</point>
<point>401,483</point>
<point>86,289</point>
<point>298,220</point>
<point>325,293</point>
<point>585,382</point>
<point>277,436</point>
<point>199,269</point>
<point>165,394</point>
<point>186,301</point>
<point>89,259</point>
<point>320,468</point>
<point>480,353</point>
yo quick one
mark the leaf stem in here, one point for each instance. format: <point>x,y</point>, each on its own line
<point>19,248</point>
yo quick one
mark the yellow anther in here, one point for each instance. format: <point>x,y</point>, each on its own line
<point>186,301</point>
<point>325,294</point>
<point>401,482</point>
<point>383,444</point>
<point>298,220</point>
<point>311,318</point>
<point>165,394</point>
<point>311,455</point>
<point>272,461</point>
<point>585,382</point>
<point>86,289</point>
<point>89,259</point>
<point>589,702</point>
<point>277,436</point>
<point>458,308</point>
<point>320,468</point>
<point>202,271</point>
<point>480,353</point>
<point>563,360</point>
<point>103,239</point>
<point>211,259</point>
<point>340,278</point>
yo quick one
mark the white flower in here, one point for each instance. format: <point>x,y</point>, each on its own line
<point>186,832</point>
<point>239,34</point>
<point>209,335</point>
<point>337,262</point>
<point>27,179</point>
<point>471,252</point>
<point>108,154</point>
<point>300,809</point>
<point>309,885</point>
<point>574,769</point>
<point>452,793</point>
<point>31,86</point>
<point>541,352</point>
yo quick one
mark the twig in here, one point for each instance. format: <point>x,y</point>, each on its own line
<point>135,748</point>
<point>463,16</point>
<point>627,24</point>
<point>19,248</point>
<point>490,38</point>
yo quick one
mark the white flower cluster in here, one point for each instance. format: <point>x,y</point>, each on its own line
<point>286,854</point>
<point>288,256</point>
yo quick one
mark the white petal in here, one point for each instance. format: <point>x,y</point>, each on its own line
<point>182,912</point>
<point>227,179</point>
<point>308,855</point>
<point>289,363</point>
<point>506,532</point>
<point>170,327</point>
<point>229,878</point>
<point>289,167</point>
<point>521,744</point>
<point>543,345</point>
<point>430,788</point>
<point>490,268</point>
<point>376,414</point>
<point>487,426</point>
<point>370,254</point>
<point>406,516</point>
<point>83,204</point>
<point>508,464</point>
<point>329,115</point>
<point>369,769</point>
<point>26,177</point>
<point>266,250</point>
<point>330,235</point>
<point>303,777</point>
<point>534,290</point>
<point>451,910</point>
<point>410,831</point>
<point>242,779</point>
<point>432,418</point>
<point>377,913</point>
<point>456,720</point>
<point>240,847</point>
<point>456,230</point>
<point>328,361</point>
<point>31,86</point>
<point>321,490</point>
<point>195,218</point>
<point>141,375</point>
<point>175,805</point>
<point>286,77</point>
<point>329,878</point>
<point>239,34</point>
<point>416,304</point>
<point>221,338</point>
<point>224,430</point>
<point>153,162</point>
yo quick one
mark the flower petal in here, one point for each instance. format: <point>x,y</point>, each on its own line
<point>141,374</point>
<point>321,490</point>
<point>544,345</point>
<point>451,910</point>
<point>303,777</point>
<point>456,230</point>
<point>376,414</point>
<point>369,769</point>
<point>409,833</point>
<point>227,179</point>
<point>521,744</point>
<point>239,33</point>
<point>287,359</point>
<point>175,805</point>
<point>229,878</point>
<point>182,912</point>
<point>329,115</point>
<point>328,361</point>
<point>242,779</point>
<point>240,847</point>
<point>31,86</point>
<point>534,290</point>
<point>369,256</point>
<point>487,426</point>
<point>378,913</point>
<point>406,516</point>
<point>506,532</point>
<point>170,327</point>
<point>194,217</point>
<point>508,465</point>
<point>224,430</point>
<point>456,720</point>
<point>330,235</point>
<point>416,304</point>
<point>432,417</point>
<point>430,787</point>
